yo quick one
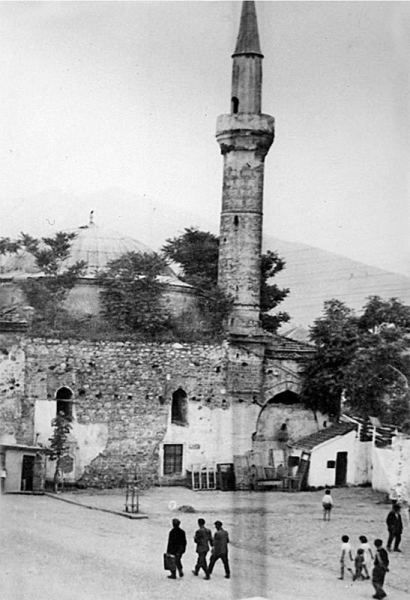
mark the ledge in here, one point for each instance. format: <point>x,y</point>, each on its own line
<point>120,513</point>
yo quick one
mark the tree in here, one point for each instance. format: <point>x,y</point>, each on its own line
<point>377,376</point>
<point>335,337</point>
<point>59,444</point>
<point>197,254</point>
<point>215,307</point>
<point>132,293</point>
<point>380,313</point>
<point>47,292</point>
<point>362,359</point>
<point>271,294</point>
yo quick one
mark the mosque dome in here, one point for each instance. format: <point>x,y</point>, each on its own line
<point>97,246</point>
<point>94,245</point>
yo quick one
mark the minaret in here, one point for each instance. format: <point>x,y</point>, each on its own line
<point>245,136</point>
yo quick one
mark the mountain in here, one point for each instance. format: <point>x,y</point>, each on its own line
<point>314,275</point>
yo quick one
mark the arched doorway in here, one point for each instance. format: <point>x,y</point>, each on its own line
<point>274,427</point>
<point>276,416</point>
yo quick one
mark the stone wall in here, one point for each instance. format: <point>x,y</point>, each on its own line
<point>123,388</point>
<point>121,398</point>
<point>12,388</point>
<point>391,469</point>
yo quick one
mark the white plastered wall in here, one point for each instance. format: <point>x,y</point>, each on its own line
<point>86,441</point>
<point>213,435</point>
<point>320,474</point>
<point>391,469</point>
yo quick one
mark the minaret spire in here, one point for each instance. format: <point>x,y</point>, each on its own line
<point>247,65</point>
<point>245,136</point>
<point>248,37</point>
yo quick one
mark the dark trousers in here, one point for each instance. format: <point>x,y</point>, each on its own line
<point>201,562</point>
<point>378,576</point>
<point>326,513</point>
<point>224,559</point>
<point>393,536</point>
<point>178,565</point>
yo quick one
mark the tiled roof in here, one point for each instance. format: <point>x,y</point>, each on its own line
<point>309,442</point>
<point>277,346</point>
<point>281,344</point>
<point>7,326</point>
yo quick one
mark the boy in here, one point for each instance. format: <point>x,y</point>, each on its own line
<point>345,555</point>
<point>381,566</point>
<point>327,503</point>
<point>367,554</point>
<point>359,565</point>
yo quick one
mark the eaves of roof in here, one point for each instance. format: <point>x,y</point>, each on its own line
<point>313,440</point>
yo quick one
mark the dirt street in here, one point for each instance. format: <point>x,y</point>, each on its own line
<point>280,547</point>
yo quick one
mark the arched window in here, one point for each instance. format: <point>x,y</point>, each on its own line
<point>179,407</point>
<point>235,105</point>
<point>64,402</point>
<point>236,220</point>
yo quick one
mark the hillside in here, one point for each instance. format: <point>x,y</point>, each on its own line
<point>314,275</point>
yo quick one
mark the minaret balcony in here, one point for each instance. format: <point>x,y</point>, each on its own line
<point>245,131</point>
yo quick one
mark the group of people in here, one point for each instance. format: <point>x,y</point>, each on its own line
<point>362,563</point>
<point>366,558</point>
<point>367,563</point>
<point>205,541</point>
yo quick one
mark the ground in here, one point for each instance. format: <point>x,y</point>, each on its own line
<point>280,546</point>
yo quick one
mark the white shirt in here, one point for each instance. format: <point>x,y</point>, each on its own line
<point>327,499</point>
<point>367,551</point>
<point>347,550</point>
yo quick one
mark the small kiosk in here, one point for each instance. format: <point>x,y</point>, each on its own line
<point>22,468</point>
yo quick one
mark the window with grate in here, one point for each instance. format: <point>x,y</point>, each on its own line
<point>172,459</point>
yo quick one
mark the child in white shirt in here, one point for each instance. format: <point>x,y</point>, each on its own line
<point>346,556</point>
<point>327,503</point>
<point>368,555</point>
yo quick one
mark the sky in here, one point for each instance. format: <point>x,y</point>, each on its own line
<point>112,107</point>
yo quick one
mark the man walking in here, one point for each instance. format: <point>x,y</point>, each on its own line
<point>220,549</point>
<point>395,528</point>
<point>203,541</point>
<point>381,566</point>
<point>176,546</point>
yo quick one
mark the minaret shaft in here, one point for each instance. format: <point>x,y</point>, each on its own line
<point>247,84</point>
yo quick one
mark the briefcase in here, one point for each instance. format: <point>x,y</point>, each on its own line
<point>169,562</point>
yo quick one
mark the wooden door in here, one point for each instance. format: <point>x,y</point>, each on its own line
<point>341,468</point>
<point>27,473</point>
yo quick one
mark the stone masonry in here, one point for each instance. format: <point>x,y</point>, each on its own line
<point>122,395</point>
